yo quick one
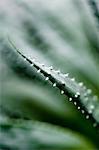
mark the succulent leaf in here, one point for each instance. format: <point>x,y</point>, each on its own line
<point>81,97</point>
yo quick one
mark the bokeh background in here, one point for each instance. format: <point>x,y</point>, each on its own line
<point>59,33</point>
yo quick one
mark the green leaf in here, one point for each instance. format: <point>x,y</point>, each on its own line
<point>29,135</point>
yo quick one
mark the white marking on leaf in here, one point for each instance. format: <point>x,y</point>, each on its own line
<point>24,59</point>
<point>38,71</point>
<point>78,107</point>
<point>75,103</point>
<point>31,65</point>
<point>73,79</point>
<point>66,75</point>
<point>87,117</point>
<point>89,91</point>
<point>81,84</point>
<point>82,111</point>
<point>95,124</point>
<point>54,85</point>
<point>70,99</point>
<point>47,78</point>
<point>62,92</point>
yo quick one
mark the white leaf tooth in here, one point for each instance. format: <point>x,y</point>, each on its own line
<point>72,79</point>
<point>63,83</point>
<point>76,95</point>
<point>24,59</point>
<point>66,75</point>
<point>62,92</point>
<point>89,91</point>
<point>92,107</point>
<point>48,70</point>
<point>47,78</point>
<point>75,103</point>
<point>90,111</point>
<point>70,99</point>
<point>39,70</point>
<point>82,111</point>
<point>54,85</point>
<point>87,117</point>
<point>78,107</point>
<point>29,57</point>
<point>80,84</point>
<point>49,73</point>
<point>32,65</point>
<point>95,124</point>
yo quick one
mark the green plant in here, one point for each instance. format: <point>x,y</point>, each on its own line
<point>77,93</point>
<point>41,107</point>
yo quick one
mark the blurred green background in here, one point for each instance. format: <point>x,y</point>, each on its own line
<point>59,33</point>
